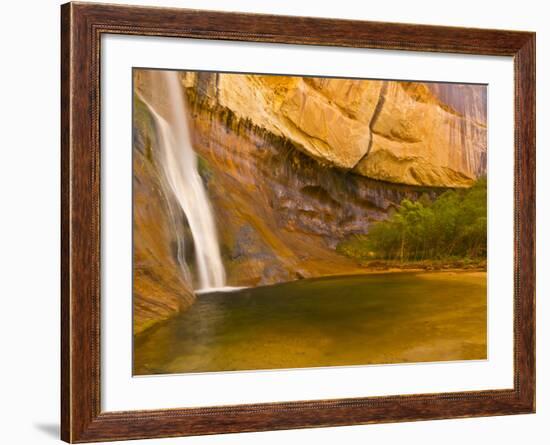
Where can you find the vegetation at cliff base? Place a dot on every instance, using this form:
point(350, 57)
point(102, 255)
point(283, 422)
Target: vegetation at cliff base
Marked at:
point(453, 226)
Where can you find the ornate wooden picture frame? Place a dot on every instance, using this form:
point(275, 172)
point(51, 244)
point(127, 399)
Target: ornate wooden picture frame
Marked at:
point(82, 26)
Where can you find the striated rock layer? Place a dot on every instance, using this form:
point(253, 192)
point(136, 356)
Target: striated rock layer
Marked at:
point(280, 213)
point(427, 134)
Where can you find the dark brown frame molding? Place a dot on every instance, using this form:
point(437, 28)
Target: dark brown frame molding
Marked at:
point(82, 25)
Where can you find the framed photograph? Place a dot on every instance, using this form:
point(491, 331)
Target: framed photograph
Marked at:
point(274, 222)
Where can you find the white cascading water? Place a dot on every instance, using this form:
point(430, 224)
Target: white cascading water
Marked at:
point(179, 163)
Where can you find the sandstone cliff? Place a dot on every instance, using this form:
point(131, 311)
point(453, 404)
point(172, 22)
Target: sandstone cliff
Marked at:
point(292, 166)
point(401, 132)
point(280, 212)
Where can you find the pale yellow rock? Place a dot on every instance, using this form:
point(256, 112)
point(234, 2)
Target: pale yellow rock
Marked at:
point(322, 128)
point(356, 98)
point(318, 115)
point(418, 141)
point(403, 132)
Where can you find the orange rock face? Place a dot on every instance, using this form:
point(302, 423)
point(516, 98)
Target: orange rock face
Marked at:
point(420, 140)
point(401, 132)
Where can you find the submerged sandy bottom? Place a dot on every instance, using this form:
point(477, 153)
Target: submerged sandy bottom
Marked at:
point(334, 321)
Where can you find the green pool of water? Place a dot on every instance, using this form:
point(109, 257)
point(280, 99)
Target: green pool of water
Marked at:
point(334, 321)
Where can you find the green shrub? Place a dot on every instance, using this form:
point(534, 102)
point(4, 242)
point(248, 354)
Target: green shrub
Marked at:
point(452, 226)
point(356, 246)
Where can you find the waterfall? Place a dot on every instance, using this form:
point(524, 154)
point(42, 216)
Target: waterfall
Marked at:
point(179, 164)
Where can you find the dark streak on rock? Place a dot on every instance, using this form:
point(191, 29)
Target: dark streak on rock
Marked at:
point(374, 118)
